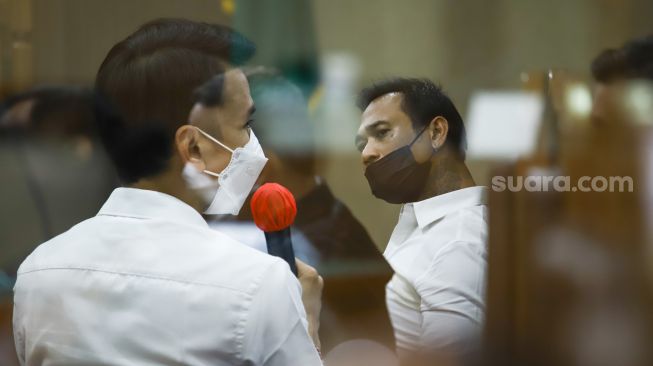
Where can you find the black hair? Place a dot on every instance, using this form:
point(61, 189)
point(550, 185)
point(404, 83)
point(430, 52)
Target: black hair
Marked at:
point(33, 94)
point(634, 60)
point(422, 101)
point(15, 99)
point(146, 85)
point(62, 111)
point(283, 124)
point(210, 94)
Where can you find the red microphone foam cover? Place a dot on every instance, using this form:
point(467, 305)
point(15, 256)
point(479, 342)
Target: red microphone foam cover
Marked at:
point(273, 207)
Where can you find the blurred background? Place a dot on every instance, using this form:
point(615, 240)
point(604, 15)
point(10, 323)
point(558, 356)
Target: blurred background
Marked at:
point(330, 49)
point(465, 45)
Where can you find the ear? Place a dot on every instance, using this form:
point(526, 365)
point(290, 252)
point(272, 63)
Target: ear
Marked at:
point(188, 146)
point(438, 130)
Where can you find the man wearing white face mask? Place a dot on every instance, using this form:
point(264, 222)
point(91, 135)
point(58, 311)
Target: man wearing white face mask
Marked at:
point(228, 193)
point(147, 281)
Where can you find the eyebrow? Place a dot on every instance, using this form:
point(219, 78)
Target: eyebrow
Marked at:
point(375, 125)
point(252, 110)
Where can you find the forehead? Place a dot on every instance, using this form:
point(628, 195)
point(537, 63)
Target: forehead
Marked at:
point(236, 100)
point(236, 87)
point(384, 108)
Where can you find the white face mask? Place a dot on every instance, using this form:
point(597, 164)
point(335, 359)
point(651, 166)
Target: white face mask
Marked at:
point(227, 194)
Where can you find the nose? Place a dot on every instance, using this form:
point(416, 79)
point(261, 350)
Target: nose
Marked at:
point(369, 154)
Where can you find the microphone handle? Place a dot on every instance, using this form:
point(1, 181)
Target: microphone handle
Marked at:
point(280, 245)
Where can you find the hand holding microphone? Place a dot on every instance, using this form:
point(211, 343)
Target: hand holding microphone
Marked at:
point(312, 284)
point(274, 210)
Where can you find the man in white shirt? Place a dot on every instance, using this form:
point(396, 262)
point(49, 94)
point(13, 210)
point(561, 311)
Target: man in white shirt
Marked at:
point(412, 141)
point(146, 281)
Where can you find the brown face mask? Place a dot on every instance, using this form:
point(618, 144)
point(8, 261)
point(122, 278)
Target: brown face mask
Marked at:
point(397, 177)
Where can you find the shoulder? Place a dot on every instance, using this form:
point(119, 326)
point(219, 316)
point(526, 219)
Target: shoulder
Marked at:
point(156, 250)
point(456, 263)
point(469, 225)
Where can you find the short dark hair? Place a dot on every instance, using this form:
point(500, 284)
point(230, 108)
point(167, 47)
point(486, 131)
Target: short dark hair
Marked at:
point(283, 124)
point(422, 101)
point(210, 94)
point(147, 81)
point(62, 111)
point(32, 94)
point(634, 60)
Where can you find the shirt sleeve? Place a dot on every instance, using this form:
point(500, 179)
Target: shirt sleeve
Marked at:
point(19, 336)
point(276, 332)
point(452, 294)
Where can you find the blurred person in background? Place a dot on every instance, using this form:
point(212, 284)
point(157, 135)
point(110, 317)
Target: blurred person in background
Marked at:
point(15, 110)
point(325, 233)
point(614, 71)
point(146, 280)
point(412, 144)
point(55, 173)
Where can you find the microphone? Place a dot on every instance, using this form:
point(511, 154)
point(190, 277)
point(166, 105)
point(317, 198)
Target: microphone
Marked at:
point(274, 210)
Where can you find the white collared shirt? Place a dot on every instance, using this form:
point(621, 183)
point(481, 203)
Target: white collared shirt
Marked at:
point(438, 252)
point(147, 282)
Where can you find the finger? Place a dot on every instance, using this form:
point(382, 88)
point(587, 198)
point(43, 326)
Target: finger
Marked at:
point(305, 270)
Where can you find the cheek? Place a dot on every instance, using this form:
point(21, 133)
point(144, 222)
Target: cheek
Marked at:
point(218, 161)
point(396, 139)
point(377, 148)
point(422, 149)
point(422, 152)
point(235, 137)
point(383, 147)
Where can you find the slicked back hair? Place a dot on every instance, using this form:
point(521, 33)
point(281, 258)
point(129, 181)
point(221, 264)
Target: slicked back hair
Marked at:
point(146, 84)
point(422, 101)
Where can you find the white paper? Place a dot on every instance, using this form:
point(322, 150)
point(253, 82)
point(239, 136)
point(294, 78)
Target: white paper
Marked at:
point(503, 125)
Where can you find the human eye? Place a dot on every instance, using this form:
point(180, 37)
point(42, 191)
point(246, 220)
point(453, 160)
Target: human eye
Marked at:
point(382, 133)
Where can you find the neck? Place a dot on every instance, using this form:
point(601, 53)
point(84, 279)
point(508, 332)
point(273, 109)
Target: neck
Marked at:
point(170, 184)
point(448, 174)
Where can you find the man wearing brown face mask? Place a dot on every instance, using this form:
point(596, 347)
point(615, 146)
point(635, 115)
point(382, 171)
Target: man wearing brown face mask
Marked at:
point(412, 143)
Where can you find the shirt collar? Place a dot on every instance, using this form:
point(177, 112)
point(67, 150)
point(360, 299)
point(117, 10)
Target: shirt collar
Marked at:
point(434, 208)
point(146, 204)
